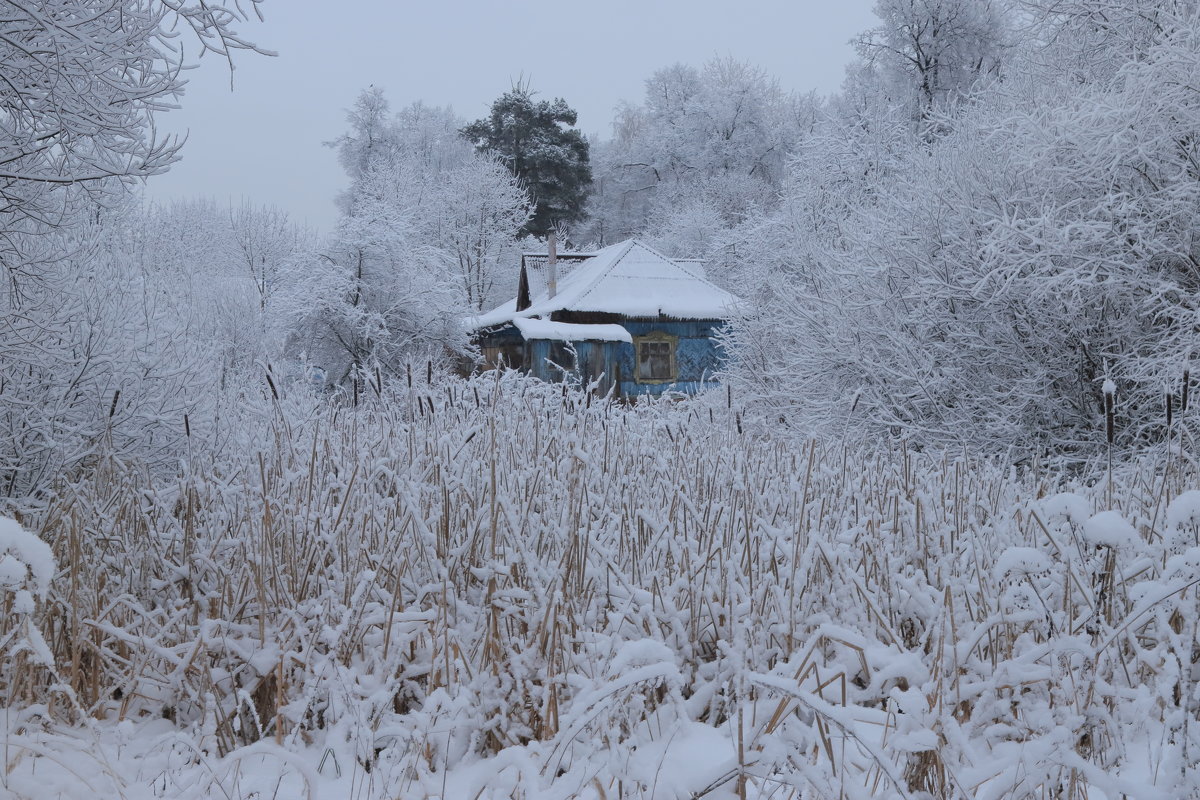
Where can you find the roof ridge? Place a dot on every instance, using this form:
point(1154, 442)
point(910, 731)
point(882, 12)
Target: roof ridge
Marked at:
point(702, 278)
point(601, 275)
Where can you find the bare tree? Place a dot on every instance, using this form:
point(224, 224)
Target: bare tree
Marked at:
point(266, 240)
point(936, 49)
point(81, 84)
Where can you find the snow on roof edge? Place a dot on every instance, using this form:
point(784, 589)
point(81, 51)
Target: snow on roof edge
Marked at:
point(570, 332)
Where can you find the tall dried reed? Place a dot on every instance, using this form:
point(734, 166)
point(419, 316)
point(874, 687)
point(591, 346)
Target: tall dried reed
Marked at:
point(450, 570)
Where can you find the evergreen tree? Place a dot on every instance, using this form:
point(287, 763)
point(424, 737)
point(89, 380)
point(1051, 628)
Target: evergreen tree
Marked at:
point(536, 142)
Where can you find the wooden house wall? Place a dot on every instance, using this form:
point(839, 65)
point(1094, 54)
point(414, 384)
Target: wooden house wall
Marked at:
point(590, 361)
point(697, 356)
point(506, 343)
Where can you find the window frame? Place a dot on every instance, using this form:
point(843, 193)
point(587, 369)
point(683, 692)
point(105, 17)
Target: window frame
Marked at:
point(656, 337)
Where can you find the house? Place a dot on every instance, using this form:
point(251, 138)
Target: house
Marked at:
point(626, 316)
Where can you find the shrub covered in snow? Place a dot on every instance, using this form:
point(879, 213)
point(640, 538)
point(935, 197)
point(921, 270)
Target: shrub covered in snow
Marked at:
point(26, 567)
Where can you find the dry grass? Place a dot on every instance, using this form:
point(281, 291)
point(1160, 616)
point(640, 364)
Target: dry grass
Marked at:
point(484, 565)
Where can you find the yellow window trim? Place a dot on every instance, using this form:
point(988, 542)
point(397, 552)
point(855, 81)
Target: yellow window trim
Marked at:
point(655, 336)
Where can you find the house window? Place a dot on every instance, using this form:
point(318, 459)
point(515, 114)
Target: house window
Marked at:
point(655, 358)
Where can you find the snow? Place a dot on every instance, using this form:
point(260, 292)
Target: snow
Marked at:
point(628, 278)
point(1185, 566)
point(1109, 529)
point(1184, 509)
point(502, 314)
point(1021, 561)
point(694, 758)
point(641, 653)
point(23, 552)
point(694, 266)
point(571, 332)
point(13, 572)
point(1067, 506)
point(22, 602)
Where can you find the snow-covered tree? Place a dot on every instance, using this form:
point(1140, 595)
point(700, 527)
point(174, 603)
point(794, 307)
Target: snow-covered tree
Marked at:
point(375, 297)
point(981, 286)
point(266, 240)
point(537, 142)
point(99, 360)
point(82, 83)
point(936, 51)
point(472, 218)
point(705, 142)
point(465, 208)
point(152, 330)
point(428, 234)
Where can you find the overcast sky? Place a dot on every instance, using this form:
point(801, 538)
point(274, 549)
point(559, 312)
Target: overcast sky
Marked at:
point(262, 141)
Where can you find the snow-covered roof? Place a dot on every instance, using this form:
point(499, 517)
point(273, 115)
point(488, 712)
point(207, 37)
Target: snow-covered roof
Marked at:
point(571, 332)
point(630, 279)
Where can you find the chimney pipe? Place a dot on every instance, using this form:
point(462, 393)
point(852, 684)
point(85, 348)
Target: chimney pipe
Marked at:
point(552, 265)
point(523, 299)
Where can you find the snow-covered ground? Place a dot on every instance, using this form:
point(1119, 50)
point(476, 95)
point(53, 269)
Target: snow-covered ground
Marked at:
point(498, 589)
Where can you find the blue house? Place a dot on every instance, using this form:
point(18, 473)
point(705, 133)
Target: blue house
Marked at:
point(625, 317)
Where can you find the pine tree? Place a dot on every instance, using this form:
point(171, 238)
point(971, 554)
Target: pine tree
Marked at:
point(536, 142)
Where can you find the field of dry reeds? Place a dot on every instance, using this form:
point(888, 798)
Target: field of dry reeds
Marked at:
point(498, 588)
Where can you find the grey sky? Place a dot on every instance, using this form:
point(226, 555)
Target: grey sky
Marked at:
point(263, 140)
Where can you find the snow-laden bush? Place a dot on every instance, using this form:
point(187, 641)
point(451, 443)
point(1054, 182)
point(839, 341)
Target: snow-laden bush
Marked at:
point(146, 342)
point(978, 282)
point(26, 567)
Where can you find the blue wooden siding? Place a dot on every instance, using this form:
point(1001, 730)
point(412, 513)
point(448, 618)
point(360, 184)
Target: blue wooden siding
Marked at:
point(697, 357)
